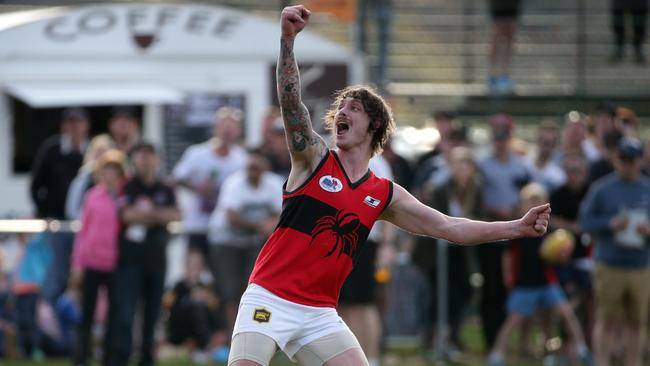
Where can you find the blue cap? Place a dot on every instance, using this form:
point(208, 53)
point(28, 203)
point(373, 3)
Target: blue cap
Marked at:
point(630, 147)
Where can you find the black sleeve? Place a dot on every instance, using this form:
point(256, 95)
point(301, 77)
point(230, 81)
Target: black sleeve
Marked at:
point(128, 194)
point(171, 196)
point(39, 174)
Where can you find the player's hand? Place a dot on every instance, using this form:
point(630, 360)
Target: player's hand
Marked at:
point(293, 19)
point(535, 221)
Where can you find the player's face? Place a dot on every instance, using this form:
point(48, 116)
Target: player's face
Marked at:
point(351, 124)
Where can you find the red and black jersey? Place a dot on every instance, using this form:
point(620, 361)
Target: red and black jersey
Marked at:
point(322, 227)
point(528, 267)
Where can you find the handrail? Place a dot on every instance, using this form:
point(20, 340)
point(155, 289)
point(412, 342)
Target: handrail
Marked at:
point(34, 226)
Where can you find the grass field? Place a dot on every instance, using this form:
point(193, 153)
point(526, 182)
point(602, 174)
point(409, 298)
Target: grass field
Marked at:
point(397, 357)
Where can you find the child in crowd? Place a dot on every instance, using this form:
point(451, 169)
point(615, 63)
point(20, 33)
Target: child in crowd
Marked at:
point(95, 253)
point(534, 286)
point(195, 313)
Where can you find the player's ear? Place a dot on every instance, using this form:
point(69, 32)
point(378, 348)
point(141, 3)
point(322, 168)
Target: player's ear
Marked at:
point(374, 125)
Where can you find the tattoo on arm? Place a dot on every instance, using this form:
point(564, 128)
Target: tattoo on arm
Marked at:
point(296, 116)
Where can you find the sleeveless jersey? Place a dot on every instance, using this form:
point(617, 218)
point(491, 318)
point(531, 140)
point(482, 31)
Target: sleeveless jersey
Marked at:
point(322, 227)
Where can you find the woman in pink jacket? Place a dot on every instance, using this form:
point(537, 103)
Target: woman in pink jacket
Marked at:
point(95, 253)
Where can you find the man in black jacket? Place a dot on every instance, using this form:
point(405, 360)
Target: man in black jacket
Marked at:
point(56, 164)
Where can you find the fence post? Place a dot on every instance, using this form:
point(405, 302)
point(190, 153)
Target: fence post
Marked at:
point(442, 295)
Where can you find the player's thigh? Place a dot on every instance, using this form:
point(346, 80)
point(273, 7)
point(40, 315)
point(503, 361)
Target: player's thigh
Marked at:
point(251, 349)
point(340, 348)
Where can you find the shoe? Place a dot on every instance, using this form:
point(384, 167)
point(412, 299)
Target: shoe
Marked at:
point(505, 85)
point(38, 356)
point(200, 357)
point(496, 360)
point(220, 355)
point(586, 359)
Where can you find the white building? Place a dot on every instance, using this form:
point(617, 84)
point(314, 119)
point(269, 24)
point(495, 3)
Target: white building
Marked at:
point(177, 62)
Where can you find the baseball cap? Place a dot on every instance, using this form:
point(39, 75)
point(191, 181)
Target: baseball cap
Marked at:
point(630, 147)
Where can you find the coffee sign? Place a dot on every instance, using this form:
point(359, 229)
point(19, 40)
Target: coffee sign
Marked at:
point(145, 24)
point(115, 32)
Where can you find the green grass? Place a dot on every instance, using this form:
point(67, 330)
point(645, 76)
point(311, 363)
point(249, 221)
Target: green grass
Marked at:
point(471, 337)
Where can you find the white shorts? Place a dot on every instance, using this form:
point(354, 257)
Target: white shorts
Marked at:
point(290, 325)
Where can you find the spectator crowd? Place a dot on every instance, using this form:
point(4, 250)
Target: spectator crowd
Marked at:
point(101, 293)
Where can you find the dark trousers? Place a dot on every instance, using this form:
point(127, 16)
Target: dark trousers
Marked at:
point(29, 335)
point(493, 291)
point(192, 320)
point(638, 11)
point(57, 275)
point(92, 281)
point(134, 284)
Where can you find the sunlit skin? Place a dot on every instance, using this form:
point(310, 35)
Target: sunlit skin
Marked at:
point(112, 176)
point(352, 125)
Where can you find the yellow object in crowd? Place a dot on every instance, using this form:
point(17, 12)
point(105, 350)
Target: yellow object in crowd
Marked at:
point(557, 246)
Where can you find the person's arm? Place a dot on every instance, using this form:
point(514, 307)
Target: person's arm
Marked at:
point(138, 216)
point(237, 220)
point(591, 218)
point(38, 183)
point(76, 193)
point(165, 215)
point(306, 147)
point(411, 215)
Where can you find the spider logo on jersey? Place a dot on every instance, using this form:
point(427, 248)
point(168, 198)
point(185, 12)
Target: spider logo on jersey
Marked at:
point(344, 227)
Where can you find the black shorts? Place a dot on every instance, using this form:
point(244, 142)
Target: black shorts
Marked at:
point(504, 9)
point(360, 286)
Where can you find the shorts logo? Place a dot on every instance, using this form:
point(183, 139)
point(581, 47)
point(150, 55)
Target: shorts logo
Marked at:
point(330, 184)
point(262, 315)
point(371, 201)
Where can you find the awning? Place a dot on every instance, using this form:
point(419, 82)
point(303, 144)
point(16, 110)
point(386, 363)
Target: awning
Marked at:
point(61, 94)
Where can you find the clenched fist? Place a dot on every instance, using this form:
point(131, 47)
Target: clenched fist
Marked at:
point(293, 20)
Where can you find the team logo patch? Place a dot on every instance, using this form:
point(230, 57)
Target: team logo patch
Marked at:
point(262, 315)
point(371, 201)
point(330, 184)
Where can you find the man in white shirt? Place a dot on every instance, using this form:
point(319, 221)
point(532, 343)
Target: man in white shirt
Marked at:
point(202, 170)
point(247, 212)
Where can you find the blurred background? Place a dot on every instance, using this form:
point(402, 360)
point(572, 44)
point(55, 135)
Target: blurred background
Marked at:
point(489, 96)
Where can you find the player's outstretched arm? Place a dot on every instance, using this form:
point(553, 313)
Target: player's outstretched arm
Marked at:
point(306, 147)
point(411, 215)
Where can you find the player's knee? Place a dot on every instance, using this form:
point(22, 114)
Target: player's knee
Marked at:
point(351, 357)
point(244, 363)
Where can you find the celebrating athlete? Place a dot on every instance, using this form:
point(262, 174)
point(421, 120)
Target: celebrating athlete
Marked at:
point(330, 203)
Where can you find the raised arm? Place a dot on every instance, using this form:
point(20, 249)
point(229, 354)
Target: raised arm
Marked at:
point(306, 147)
point(411, 215)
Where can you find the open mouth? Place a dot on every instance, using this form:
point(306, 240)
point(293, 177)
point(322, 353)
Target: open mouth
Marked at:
point(342, 127)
